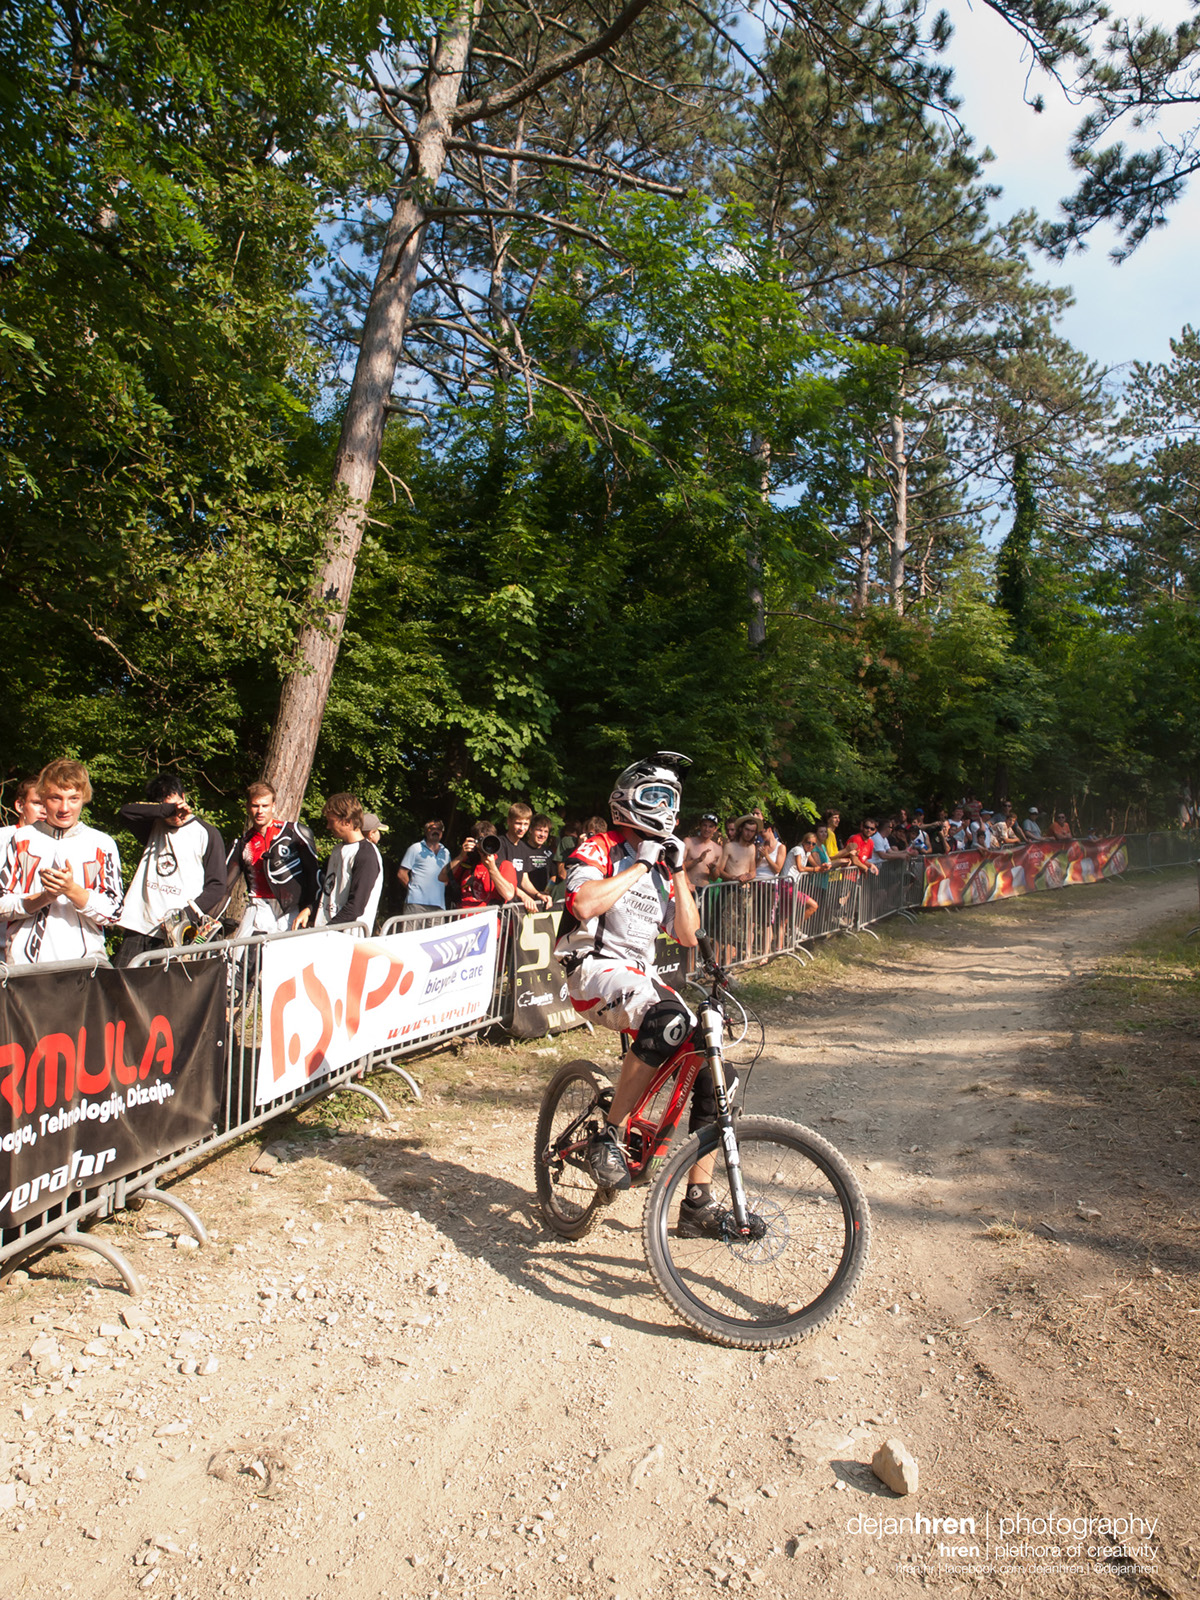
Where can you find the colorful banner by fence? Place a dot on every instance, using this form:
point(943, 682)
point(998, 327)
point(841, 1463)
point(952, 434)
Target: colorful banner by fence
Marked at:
point(973, 877)
point(541, 1004)
point(329, 999)
point(137, 1077)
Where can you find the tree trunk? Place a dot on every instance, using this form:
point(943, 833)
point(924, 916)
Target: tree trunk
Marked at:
point(866, 540)
point(756, 632)
point(898, 450)
point(306, 689)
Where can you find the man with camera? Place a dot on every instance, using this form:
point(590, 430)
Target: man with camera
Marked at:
point(179, 885)
point(483, 877)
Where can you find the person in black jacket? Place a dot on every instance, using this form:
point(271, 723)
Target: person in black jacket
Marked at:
point(278, 862)
point(181, 873)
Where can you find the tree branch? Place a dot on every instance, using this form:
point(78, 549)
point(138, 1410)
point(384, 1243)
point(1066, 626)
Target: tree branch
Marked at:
point(566, 61)
point(574, 163)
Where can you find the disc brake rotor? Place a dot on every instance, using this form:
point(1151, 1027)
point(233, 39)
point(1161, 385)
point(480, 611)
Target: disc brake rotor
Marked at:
point(769, 1232)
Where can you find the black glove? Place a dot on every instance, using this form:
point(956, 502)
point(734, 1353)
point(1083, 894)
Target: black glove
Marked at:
point(673, 851)
point(650, 852)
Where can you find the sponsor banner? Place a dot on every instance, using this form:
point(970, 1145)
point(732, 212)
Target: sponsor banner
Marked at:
point(136, 1078)
point(670, 962)
point(974, 877)
point(329, 999)
point(541, 1003)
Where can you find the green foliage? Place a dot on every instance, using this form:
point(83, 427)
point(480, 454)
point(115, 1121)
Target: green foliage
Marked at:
point(163, 169)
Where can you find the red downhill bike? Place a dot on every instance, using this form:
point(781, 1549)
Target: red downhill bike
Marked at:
point(792, 1240)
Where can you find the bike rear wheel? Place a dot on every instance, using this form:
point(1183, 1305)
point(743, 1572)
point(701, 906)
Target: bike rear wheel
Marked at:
point(813, 1225)
point(570, 1197)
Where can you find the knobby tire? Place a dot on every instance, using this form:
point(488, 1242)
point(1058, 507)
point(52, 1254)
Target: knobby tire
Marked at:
point(771, 1292)
point(569, 1196)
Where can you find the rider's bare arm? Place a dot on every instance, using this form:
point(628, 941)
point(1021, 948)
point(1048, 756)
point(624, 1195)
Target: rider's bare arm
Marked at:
point(687, 912)
point(598, 895)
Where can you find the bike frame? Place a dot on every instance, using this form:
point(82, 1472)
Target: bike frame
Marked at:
point(702, 1049)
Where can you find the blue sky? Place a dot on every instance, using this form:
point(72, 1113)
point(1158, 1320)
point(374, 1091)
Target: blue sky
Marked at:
point(1123, 313)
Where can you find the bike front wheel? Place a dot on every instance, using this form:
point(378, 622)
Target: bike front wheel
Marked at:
point(571, 1109)
point(811, 1236)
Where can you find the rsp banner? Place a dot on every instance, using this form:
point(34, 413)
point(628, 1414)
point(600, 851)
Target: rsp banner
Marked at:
point(135, 1079)
point(541, 1003)
point(329, 999)
point(973, 877)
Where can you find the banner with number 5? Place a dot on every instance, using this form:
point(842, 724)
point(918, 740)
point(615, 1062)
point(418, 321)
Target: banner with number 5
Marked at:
point(330, 999)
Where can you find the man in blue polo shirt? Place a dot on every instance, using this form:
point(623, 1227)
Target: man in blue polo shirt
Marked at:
point(423, 871)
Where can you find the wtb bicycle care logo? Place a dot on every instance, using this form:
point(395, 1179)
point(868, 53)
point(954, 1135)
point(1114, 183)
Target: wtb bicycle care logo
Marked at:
point(355, 996)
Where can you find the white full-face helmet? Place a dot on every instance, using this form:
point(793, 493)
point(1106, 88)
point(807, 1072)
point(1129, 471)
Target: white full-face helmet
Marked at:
point(647, 794)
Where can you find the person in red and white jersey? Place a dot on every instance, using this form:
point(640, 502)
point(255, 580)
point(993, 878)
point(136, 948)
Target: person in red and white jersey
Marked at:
point(60, 885)
point(625, 886)
point(278, 861)
point(28, 809)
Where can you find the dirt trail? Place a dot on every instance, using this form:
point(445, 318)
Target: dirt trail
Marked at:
point(384, 1378)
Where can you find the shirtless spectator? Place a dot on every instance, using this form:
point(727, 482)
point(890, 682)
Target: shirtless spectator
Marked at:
point(278, 863)
point(739, 858)
point(737, 868)
point(60, 884)
point(702, 853)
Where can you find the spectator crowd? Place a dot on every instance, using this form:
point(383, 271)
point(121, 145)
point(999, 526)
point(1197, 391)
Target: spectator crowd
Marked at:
point(62, 892)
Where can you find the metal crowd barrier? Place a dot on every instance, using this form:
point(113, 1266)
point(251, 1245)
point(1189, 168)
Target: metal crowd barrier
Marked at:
point(748, 923)
point(237, 1114)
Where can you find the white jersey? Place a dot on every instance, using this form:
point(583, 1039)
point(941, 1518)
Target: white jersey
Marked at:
point(627, 931)
point(353, 884)
point(6, 834)
point(176, 866)
point(59, 932)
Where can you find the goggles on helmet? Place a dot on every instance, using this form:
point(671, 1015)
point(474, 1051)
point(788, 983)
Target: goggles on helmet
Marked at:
point(655, 797)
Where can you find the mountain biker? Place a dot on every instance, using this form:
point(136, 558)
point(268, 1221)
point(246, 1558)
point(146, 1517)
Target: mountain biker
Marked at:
point(624, 886)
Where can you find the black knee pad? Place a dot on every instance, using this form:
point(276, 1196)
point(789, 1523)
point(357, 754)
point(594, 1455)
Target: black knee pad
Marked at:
point(664, 1028)
point(704, 1100)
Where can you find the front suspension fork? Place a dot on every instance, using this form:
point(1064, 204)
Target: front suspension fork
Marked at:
point(711, 1024)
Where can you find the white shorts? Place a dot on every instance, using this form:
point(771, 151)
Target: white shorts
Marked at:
point(265, 916)
point(617, 996)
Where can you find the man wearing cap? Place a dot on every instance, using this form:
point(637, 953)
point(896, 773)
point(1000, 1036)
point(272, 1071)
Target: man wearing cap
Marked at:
point(425, 869)
point(1031, 827)
point(702, 853)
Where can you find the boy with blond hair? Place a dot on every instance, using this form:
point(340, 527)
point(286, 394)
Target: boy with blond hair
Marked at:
point(60, 883)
